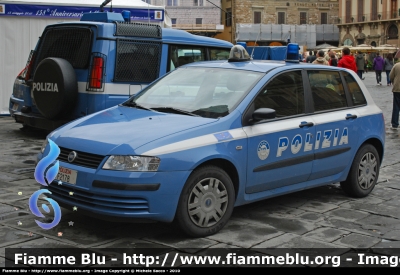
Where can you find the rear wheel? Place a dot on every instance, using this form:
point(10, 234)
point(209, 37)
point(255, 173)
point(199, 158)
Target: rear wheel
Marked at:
point(206, 202)
point(363, 173)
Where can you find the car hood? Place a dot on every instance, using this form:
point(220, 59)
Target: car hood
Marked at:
point(119, 129)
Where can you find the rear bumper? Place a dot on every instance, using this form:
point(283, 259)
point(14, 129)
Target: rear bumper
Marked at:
point(38, 121)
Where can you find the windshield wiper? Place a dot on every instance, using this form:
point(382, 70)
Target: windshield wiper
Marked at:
point(134, 104)
point(174, 111)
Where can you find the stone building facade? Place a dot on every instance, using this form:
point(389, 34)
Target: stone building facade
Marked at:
point(201, 17)
point(371, 22)
point(301, 12)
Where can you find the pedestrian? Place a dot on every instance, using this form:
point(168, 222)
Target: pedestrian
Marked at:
point(394, 76)
point(347, 61)
point(333, 60)
point(388, 67)
point(311, 57)
point(378, 65)
point(360, 61)
point(320, 60)
point(328, 55)
point(366, 65)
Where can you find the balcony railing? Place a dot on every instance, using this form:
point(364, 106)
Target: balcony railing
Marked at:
point(196, 27)
point(359, 18)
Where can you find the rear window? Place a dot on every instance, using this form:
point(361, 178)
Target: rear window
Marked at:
point(71, 44)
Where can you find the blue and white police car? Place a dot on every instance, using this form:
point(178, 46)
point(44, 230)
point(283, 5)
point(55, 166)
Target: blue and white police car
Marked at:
point(213, 135)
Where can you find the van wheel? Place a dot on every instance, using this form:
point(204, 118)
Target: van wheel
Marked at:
point(206, 202)
point(55, 88)
point(363, 173)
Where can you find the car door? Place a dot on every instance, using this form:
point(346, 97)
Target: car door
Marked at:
point(280, 149)
point(336, 123)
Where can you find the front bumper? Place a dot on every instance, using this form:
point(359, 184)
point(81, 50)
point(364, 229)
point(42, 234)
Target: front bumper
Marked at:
point(121, 196)
point(38, 121)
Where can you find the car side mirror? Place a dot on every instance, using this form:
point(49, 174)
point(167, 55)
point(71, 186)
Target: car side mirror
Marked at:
point(263, 113)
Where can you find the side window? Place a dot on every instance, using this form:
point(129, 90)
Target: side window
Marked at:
point(355, 91)
point(219, 54)
point(183, 54)
point(284, 94)
point(327, 90)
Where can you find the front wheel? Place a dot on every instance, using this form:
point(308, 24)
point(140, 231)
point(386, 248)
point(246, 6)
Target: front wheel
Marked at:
point(363, 173)
point(206, 202)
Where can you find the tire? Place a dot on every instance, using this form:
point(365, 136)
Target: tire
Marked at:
point(206, 202)
point(364, 172)
point(55, 88)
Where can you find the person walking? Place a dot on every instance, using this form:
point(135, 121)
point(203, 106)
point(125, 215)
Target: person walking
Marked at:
point(394, 76)
point(378, 65)
point(360, 61)
point(320, 60)
point(388, 67)
point(347, 61)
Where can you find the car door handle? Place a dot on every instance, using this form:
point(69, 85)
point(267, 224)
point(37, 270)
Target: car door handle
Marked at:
point(306, 124)
point(351, 116)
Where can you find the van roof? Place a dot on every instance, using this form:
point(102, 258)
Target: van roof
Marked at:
point(168, 35)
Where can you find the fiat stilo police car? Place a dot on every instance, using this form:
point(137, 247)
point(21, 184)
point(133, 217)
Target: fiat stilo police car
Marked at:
point(210, 136)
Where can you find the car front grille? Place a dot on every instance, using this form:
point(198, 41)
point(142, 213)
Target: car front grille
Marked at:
point(110, 203)
point(82, 158)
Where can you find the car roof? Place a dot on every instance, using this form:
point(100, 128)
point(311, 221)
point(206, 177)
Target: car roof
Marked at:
point(258, 65)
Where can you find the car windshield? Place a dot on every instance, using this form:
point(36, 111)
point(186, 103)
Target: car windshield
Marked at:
point(206, 92)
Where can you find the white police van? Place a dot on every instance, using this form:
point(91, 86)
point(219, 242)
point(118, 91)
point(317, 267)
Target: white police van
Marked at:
point(210, 136)
point(79, 68)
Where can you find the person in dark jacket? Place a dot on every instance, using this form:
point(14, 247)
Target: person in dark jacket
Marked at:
point(388, 67)
point(311, 57)
point(360, 61)
point(333, 60)
point(347, 60)
point(378, 66)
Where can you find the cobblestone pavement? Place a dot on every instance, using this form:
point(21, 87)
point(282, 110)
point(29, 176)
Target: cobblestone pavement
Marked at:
point(318, 218)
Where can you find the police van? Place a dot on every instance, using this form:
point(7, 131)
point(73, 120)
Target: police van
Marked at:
point(210, 136)
point(79, 68)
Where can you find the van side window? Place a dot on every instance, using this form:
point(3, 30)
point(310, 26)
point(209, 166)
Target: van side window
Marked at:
point(183, 54)
point(327, 90)
point(355, 91)
point(284, 94)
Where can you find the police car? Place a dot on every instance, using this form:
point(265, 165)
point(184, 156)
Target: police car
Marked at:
point(210, 136)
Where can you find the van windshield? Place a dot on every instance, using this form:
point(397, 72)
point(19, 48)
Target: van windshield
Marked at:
point(207, 92)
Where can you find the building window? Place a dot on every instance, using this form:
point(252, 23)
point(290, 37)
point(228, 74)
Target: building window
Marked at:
point(324, 18)
point(173, 22)
point(198, 3)
point(257, 17)
point(360, 11)
point(172, 2)
point(228, 16)
point(199, 21)
point(374, 9)
point(303, 18)
point(392, 32)
point(348, 11)
point(147, 1)
point(281, 17)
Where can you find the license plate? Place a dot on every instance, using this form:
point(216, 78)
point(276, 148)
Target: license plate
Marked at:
point(67, 175)
point(15, 107)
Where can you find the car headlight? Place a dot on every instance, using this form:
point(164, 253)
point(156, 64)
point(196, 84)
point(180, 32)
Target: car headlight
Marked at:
point(132, 163)
point(45, 142)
